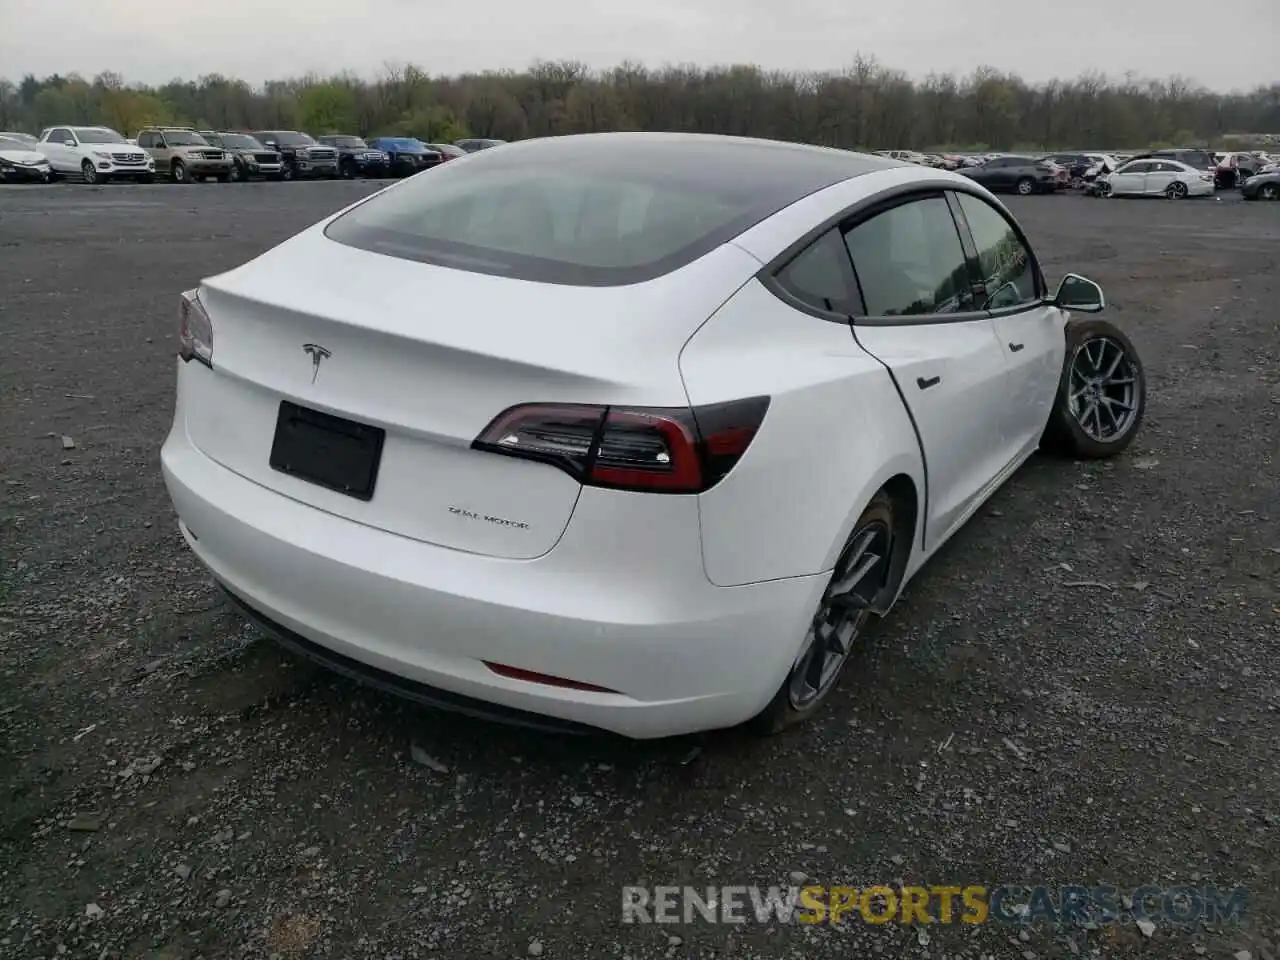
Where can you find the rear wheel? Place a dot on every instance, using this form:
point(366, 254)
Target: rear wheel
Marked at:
point(1102, 393)
point(860, 578)
point(1026, 186)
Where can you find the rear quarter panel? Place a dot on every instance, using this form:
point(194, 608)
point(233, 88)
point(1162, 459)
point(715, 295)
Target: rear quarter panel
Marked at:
point(835, 432)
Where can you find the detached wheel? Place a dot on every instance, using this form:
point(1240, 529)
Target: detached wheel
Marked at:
point(1176, 190)
point(1102, 394)
point(861, 575)
point(1026, 186)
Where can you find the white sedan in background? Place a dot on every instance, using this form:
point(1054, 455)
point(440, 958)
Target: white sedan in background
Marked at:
point(714, 402)
point(1156, 178)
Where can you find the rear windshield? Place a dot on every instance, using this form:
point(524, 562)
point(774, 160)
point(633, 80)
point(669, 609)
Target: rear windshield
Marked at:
point(589, 211)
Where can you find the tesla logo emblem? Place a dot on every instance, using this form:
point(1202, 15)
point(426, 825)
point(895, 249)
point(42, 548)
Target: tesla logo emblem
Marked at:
point(316, 353)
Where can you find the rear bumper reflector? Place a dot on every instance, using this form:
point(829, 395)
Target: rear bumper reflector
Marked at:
point(515, 673)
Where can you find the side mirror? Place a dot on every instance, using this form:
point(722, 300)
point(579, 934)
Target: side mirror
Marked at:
point(1080, 294)
point(68, 143)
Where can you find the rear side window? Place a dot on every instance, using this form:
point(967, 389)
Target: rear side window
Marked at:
point(910, 262)
point(820, 276)
point(586, 212)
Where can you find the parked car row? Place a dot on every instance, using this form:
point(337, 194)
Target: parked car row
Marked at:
point(1175, 173)
point(183, 154)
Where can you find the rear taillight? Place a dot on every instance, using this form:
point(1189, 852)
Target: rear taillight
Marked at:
point(195, 330)
point(654, 449)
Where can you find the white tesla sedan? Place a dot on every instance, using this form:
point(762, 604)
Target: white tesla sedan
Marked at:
point(631, 432)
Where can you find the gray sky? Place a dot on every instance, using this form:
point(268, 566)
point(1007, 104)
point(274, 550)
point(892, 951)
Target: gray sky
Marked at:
point(156, 40)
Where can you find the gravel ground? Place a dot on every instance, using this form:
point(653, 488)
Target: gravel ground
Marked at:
point(1082, 687)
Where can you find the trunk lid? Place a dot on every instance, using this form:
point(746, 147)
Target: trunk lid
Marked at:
point(431, 355)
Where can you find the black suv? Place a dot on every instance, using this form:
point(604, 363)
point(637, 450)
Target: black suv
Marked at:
point(302, 156)
point(249, 158)
point(356, 158)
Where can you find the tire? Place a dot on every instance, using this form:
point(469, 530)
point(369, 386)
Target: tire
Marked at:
point(1104, 190)
point(347, 171)
point(238, 173)
point(287, 172)
point(1072, 430)
point(89, 172)
point(809, 683)
point(1025, 187)
point(1176, 190)
point(1269, 191)
point(178, 172)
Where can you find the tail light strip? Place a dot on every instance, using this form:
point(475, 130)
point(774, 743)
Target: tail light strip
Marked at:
point(651, 449)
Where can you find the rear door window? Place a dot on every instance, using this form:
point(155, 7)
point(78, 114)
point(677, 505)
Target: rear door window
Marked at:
point(910, 262)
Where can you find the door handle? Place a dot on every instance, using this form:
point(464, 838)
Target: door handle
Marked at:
point(925, 384)
point(1015, 347)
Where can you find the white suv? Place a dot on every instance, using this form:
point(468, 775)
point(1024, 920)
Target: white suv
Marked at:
point(97, 154)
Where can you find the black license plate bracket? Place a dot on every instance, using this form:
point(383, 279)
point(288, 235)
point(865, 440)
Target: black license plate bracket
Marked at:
point(331, 452)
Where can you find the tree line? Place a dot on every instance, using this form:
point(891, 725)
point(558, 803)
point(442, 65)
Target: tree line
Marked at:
point(866, 105)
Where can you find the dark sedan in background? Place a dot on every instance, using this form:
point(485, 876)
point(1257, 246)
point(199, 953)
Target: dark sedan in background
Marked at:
point(1263, 186)
point(1024, 175)
point(447, 151)
point(472, 144)
point(406, 156)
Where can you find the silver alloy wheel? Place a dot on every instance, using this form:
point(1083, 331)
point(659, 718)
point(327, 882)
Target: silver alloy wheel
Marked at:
point(89, 171)
point(1025, 187)
point(860, 574)
point(179, 171)
point(1177, 190)
point(1103, 389)
point(1269, 191)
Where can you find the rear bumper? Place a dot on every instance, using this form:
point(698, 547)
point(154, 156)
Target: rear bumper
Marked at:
point(622, 602)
